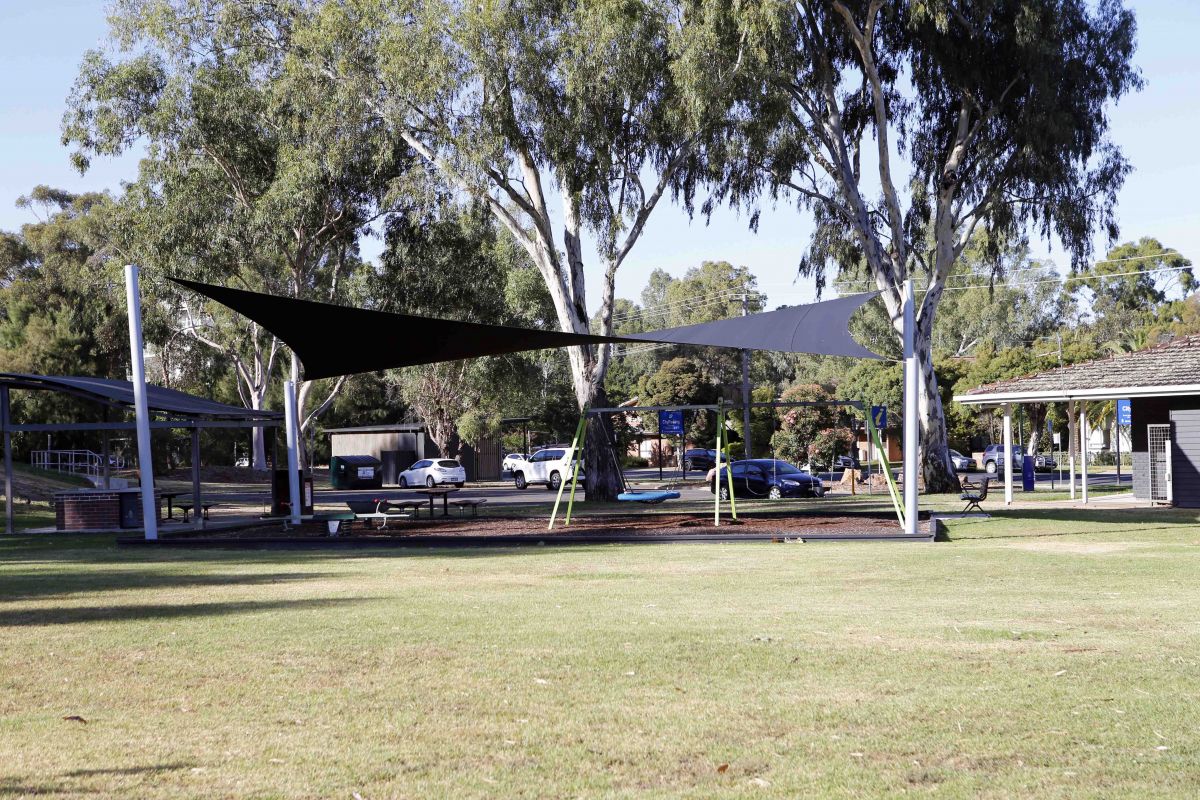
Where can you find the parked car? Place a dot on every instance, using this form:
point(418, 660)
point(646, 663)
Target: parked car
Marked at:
point(696, 460)
point(511, 461)
point(846, 462)
point(993, 460)
point(961, 462)
point(432, 472)
point(242, 461)
point(548, 466)
point(765, 477)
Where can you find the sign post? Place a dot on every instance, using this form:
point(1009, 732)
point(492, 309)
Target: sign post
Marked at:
point(1124, 417)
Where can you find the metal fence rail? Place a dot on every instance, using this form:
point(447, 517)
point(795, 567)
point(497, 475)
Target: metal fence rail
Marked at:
point(76, 462)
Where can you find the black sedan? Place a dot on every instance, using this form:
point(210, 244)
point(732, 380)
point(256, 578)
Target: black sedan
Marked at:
point(696, 460)
point(770, 478)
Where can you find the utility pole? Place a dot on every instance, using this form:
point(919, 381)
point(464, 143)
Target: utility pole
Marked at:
point(746, 386)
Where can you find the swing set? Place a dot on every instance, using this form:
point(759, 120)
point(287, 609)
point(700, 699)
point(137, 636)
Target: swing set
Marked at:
point(724, 456)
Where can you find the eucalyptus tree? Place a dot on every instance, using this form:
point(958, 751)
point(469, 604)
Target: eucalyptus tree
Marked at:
point(570, 122)
point(257, 172)
point(905, 125)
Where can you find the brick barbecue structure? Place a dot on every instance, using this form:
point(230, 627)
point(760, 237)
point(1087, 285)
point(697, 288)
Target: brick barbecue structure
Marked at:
point(1162, 384)
point(98, 509)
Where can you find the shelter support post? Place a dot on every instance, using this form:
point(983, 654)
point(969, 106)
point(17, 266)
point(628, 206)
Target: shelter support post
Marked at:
point(198, 520)
point(1083, 448)
point(911, 376)
point(717, 480)
point(141, 405)
point(293, 450)
point(746, 395)
point(1071, 439)
point(105, 450)
point(5, 421)
point(1008, 462)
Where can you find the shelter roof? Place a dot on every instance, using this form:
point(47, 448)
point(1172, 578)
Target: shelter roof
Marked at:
point(1170, 368)
point(120, 393)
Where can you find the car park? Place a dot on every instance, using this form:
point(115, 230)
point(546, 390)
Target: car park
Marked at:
point(548, 467)
point(432, 472)
point(993, 460)
point(767, 478)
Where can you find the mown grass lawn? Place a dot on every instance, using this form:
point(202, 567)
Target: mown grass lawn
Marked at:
point(1042, 653)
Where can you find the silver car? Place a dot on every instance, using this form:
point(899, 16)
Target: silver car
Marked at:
point(961, 463)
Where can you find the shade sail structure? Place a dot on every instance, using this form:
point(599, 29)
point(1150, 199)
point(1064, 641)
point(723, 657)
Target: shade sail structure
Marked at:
point(820, 328)
point(119, 394)
point(339, 340)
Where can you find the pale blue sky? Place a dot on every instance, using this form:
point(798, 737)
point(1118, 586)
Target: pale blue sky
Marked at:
point(41, 44)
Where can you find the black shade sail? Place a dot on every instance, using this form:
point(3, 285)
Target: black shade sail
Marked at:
point(335, 340)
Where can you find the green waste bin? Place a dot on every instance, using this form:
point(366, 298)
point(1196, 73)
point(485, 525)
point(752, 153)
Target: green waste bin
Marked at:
point(355, 472)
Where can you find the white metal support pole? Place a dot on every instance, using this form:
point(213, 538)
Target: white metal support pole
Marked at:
point(1008, 464)
point(141, 407)
point(1083, 448)
point(911, 376)
point(293, 449)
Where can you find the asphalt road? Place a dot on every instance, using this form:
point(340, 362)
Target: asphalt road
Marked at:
point(507, 494)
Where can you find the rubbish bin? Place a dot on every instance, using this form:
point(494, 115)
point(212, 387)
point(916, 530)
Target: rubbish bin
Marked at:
point(355, 472)
point(1028, 475)
point(281, 491)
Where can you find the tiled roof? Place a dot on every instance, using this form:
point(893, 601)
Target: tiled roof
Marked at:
point(1172, 363)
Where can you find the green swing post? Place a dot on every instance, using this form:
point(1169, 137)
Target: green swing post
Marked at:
point(893, 490)
point(580, 437)
point(579, 429)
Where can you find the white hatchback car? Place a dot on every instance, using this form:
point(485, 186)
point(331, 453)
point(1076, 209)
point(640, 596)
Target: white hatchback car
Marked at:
point(512, 461)
point(548, 466)
point(432, 471)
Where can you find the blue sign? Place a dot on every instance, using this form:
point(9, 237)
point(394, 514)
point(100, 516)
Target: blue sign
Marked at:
point(670, 423)
point(1124, 413)
point(879, 417)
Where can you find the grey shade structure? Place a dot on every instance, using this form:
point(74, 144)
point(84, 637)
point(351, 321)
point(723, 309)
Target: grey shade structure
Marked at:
point(383, 340)
point(115, 393)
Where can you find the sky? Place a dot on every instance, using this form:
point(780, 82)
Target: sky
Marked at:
point(42, 43)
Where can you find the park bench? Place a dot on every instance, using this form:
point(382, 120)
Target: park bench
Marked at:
point(975, 494)
point(472, 503)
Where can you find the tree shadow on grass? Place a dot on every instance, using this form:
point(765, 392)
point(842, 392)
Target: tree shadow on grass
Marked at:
point(150, 612)
point(52, 582)
point(22, 787)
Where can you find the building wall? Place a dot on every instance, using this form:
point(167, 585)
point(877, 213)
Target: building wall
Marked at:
point(1183, 415)
point(373, 444)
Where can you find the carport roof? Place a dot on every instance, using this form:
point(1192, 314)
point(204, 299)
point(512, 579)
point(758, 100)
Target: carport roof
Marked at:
point(1170, 368)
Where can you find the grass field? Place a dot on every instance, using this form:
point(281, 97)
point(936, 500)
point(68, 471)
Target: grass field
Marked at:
point(1052, 654)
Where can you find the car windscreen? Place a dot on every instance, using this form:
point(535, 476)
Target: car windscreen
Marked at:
point(779, 467)
point(448, 463)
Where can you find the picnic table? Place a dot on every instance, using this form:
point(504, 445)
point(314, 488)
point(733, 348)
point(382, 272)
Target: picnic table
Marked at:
point(442, 492)
point(169, 496)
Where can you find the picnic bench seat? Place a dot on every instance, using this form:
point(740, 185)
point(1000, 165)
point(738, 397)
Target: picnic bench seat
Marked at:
point(186, 508)
point(472, 503)
point(383, 511)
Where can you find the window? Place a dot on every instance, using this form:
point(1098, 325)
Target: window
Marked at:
point(420, 465)
point(739, 470)
point(448, 463)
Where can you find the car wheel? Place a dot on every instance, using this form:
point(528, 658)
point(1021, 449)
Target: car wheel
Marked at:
point(430, 482)
point(403, 482)
point(820, 492)
point(774, 493)
point(687, 466)
point(519, 481)
point(724, 493)
point(990, 467)
point(554, 482)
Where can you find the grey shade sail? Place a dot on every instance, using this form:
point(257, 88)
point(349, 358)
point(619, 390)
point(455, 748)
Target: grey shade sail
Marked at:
point(120, 394)
point(820, 328)
point(335, 340)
